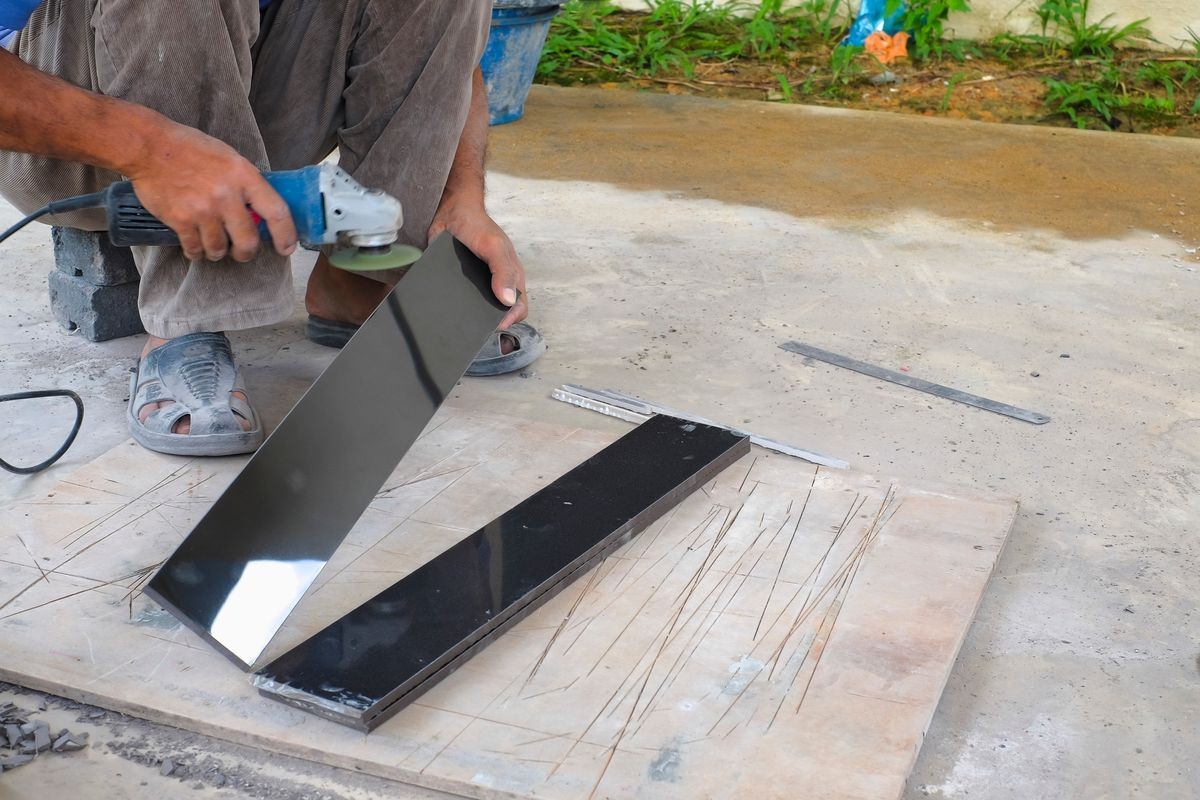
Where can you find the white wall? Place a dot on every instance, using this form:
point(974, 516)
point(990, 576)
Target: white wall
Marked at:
point(1169, 19)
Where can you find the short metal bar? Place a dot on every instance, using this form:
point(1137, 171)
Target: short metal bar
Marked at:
point(592, 404)
point(598, 399)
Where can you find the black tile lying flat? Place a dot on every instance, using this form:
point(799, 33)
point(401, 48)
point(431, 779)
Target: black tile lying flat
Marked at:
point(378, 658)
point(240, 572)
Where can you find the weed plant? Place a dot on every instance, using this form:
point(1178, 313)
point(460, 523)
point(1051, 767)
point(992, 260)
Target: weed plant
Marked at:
point(1066, 25)
point(926, 21)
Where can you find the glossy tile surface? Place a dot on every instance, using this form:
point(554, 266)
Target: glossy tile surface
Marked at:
point(376, 659)
point(240, 572)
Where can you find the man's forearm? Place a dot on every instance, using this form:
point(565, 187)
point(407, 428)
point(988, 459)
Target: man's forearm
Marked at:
point(46, 116)
point(198, 186)
point(461, 211)
point(465, 183)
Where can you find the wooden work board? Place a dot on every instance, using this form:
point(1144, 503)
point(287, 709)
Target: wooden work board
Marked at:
point(784, 632)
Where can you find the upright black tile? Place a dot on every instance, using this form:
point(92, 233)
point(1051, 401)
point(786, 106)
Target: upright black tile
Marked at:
point(237, 576)
point(378, 658)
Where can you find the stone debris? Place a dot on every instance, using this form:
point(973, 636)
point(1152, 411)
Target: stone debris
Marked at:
point(24, 739)
point(11, 761)
point(67, 742)
point(35, 737)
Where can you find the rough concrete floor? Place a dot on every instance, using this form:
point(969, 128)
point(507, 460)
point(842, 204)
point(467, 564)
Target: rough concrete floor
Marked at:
point(130, 759)
point(673, 243)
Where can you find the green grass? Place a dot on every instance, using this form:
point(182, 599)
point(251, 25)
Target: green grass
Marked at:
point(1112, 90)
point(671, 36)
point(674, 35)
point(1116, 94)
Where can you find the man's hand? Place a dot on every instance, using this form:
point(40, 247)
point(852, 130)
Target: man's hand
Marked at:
point(471, 225)
point(462, 213)
point(201, 187)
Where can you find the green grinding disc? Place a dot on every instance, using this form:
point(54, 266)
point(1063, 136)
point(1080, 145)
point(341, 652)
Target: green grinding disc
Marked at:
point(356, 260)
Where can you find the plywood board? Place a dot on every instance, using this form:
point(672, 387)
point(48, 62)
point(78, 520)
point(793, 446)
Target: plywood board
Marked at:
point(786, 631)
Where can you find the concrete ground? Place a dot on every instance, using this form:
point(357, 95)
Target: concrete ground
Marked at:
point(673, 243)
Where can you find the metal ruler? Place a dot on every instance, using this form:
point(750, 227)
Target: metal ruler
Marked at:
point(915, 383)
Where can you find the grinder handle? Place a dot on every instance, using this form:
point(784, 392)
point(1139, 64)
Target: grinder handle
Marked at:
point(129, 223)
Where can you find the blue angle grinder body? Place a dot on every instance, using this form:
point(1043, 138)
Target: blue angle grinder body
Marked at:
point(329, 208)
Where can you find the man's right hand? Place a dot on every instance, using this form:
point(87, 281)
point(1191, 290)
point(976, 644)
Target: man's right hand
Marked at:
point(203, 190)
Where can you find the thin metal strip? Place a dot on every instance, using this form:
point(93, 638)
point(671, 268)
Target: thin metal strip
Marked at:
point(608, 409)
point(605, 401)
point(241, 571)
point(920, 385)
point(375, 660)
point(761, 441)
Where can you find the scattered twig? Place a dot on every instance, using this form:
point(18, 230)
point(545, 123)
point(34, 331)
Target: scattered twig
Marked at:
point(694, 83)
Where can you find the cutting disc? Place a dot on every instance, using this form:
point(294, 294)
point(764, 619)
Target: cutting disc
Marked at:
point(370, 259)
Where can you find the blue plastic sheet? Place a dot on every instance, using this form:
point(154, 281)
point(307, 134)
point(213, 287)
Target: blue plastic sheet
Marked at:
point(873, 16)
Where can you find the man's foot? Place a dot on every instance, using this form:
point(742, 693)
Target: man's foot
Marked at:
point(339, 296)
point(186, 398)
point(183, 425)
point(339, 302)
point(509, 350)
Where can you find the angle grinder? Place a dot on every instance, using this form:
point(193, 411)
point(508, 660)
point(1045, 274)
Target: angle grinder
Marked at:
point(328, 207)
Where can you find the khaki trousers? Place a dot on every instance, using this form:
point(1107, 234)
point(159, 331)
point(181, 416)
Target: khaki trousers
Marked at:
point(387, 82)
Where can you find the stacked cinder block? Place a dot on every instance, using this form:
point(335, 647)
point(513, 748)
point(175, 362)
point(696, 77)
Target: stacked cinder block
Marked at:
point(94, 286)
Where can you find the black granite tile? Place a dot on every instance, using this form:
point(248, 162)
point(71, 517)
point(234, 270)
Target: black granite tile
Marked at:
point(237, 576)
point(378, 658)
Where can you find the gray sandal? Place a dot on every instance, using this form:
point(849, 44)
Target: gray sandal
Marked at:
point(196, 374)
point(528, 345)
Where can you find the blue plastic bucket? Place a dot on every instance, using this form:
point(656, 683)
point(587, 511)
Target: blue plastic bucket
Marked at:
point(511, 57)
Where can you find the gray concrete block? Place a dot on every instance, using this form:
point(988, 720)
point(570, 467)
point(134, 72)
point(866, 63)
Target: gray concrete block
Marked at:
point(89, 255)
point(100, 313)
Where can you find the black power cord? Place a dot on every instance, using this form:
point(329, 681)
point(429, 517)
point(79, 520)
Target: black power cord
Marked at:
point(4, 398)
point(57, 207)
point(94, 200)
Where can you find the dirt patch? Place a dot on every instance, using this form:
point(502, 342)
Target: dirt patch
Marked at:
point(981, 90)
point(862, 168)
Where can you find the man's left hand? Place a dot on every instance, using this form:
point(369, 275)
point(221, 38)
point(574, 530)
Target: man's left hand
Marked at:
point(471, 225)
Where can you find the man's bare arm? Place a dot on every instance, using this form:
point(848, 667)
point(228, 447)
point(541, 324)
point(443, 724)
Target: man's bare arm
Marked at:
point(462, 210)
point(197, 185)
point(466, 182)
point(50, 117)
